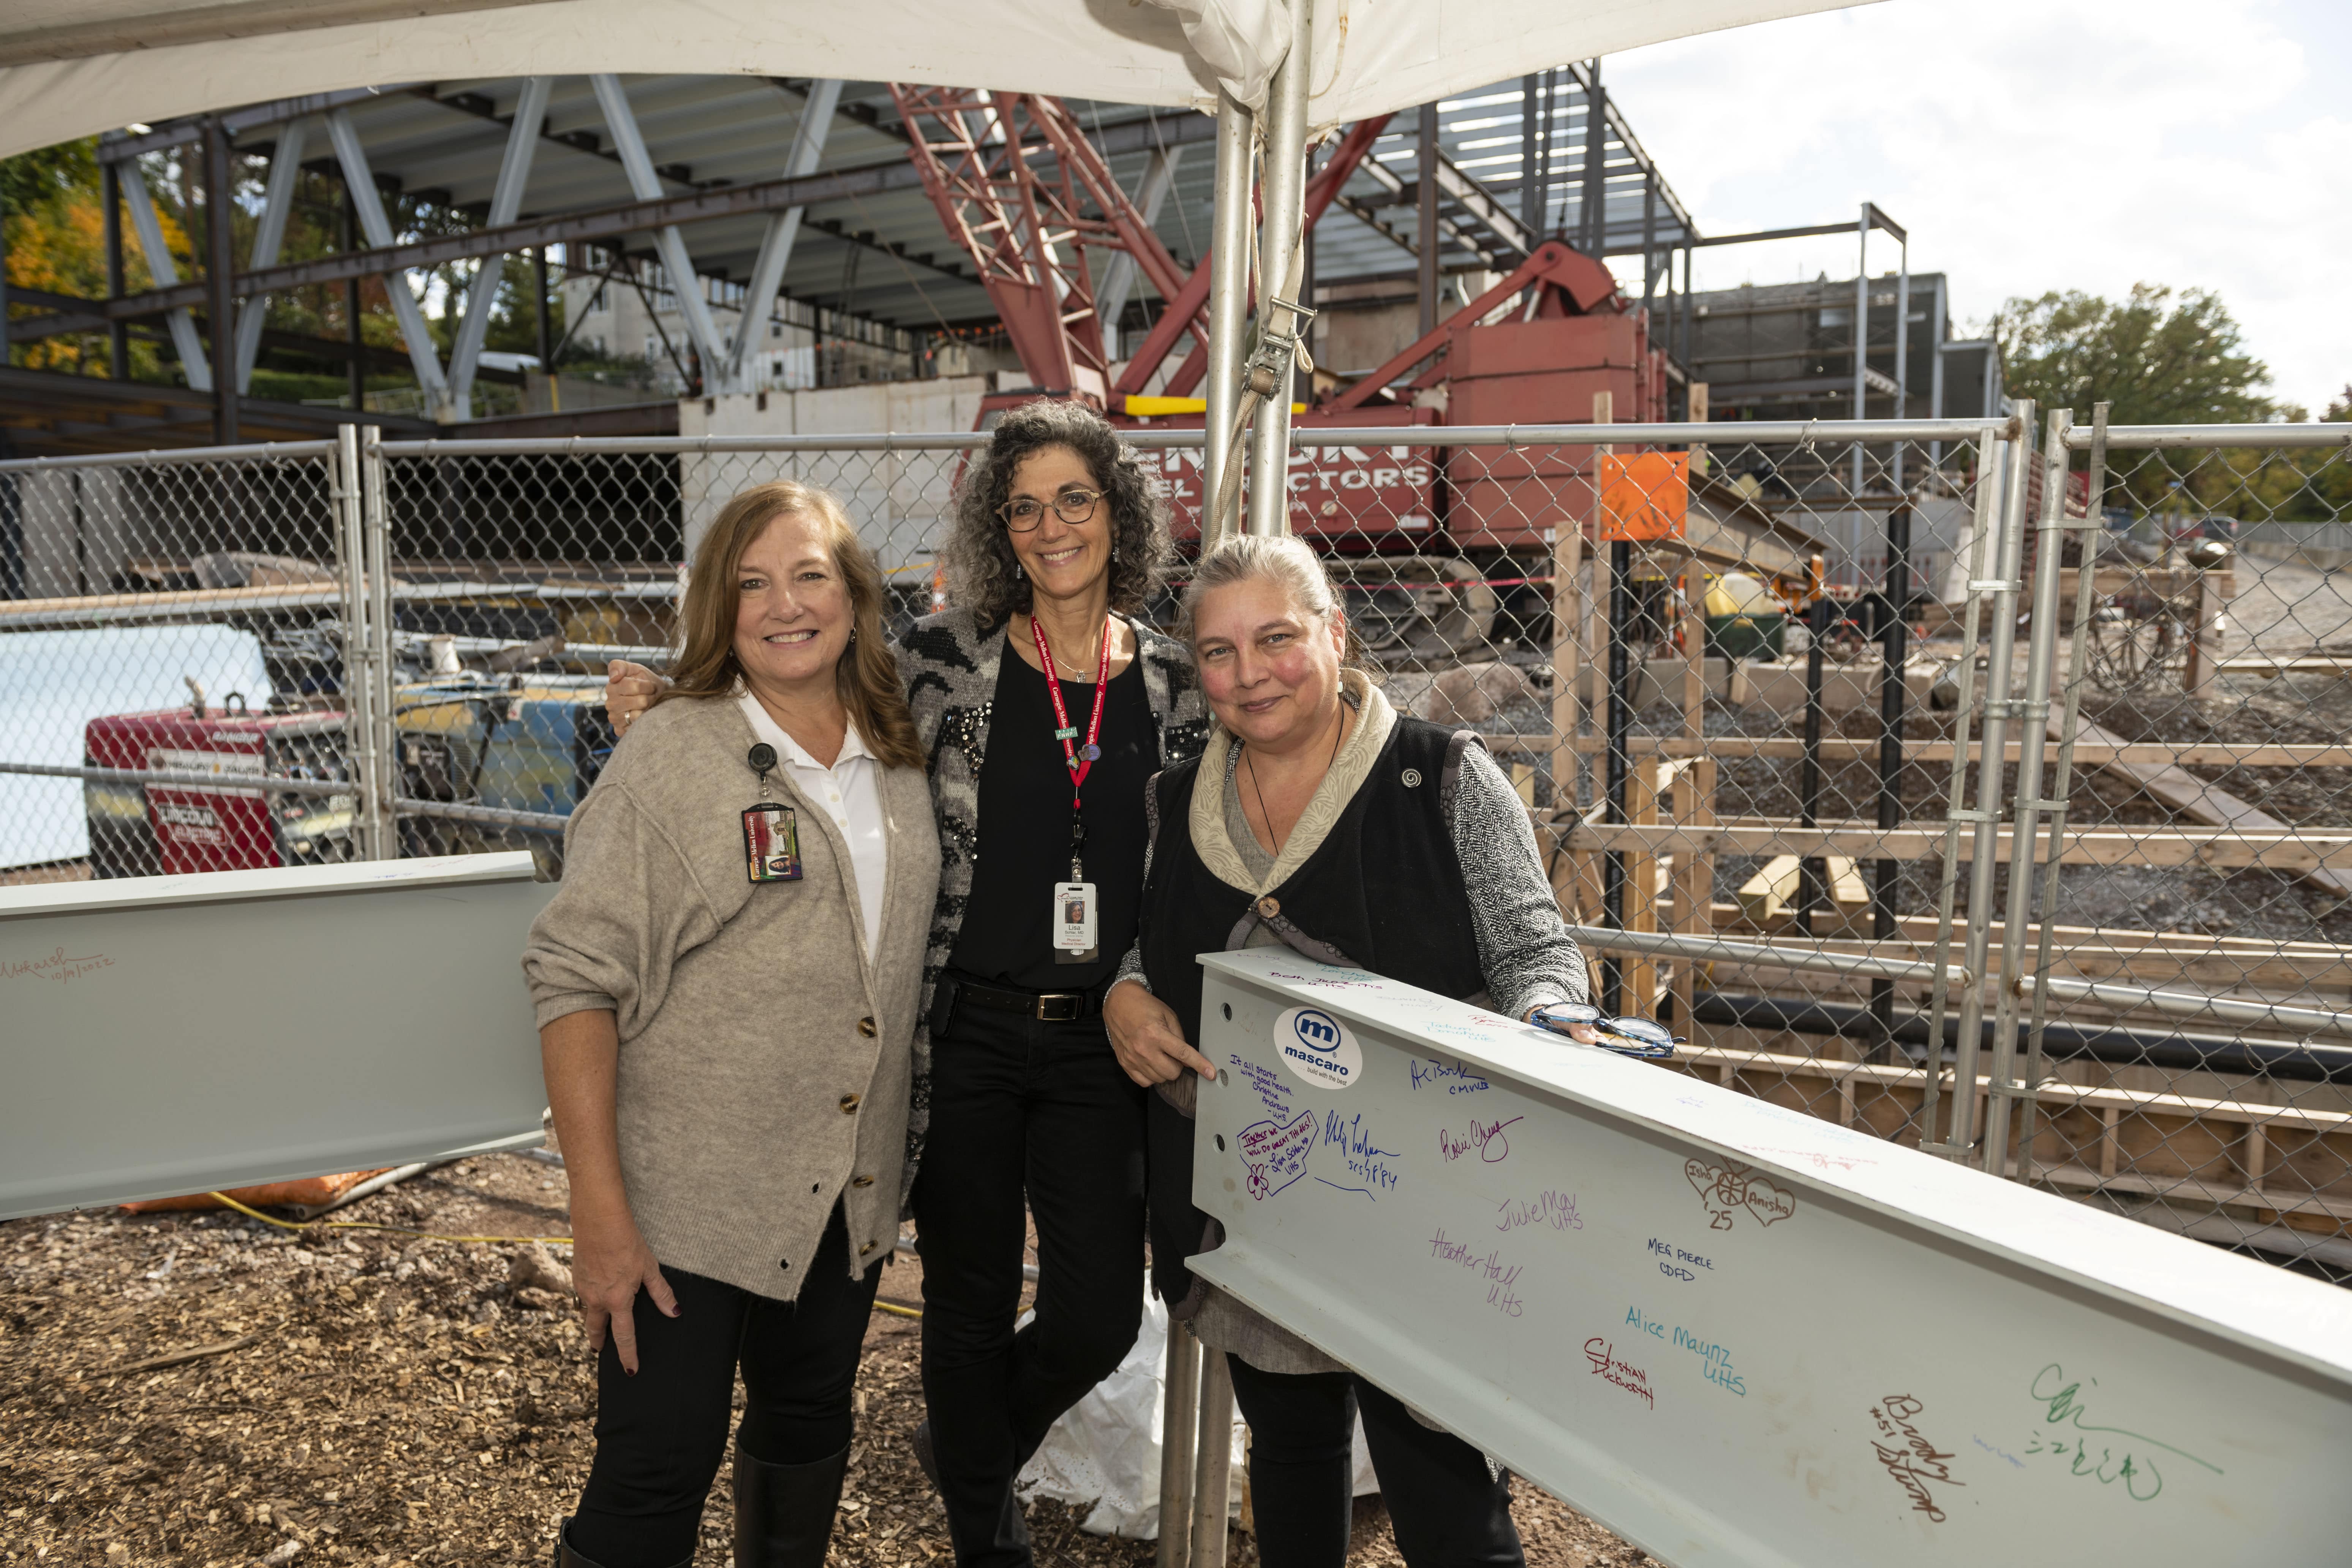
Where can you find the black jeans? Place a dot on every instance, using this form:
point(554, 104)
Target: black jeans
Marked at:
point(1448, 1509)
point(661, 1433)
point(1022, 1107)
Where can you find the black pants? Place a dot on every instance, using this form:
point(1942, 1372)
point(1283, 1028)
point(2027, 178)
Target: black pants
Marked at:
point(1022, 1107)
point(661, 1433)
point(1449, 1510)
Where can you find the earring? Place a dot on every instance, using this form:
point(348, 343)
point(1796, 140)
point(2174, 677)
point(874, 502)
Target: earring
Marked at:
point(1017, 574)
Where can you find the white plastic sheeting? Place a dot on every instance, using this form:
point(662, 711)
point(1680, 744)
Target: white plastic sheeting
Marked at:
point(73, 68)
point(1103, 1456)
point(52, 684)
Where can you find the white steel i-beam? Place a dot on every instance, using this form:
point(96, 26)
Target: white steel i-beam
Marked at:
point(1118, 278)
point(360, 181)
point(1737, 1334)
point(739, 374)
point(164, 274)
point(692, 307)
point(506, 200)
point(276, 205)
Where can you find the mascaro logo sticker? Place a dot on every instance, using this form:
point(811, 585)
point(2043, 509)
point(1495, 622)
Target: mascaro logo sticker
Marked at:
point(1318, 1048)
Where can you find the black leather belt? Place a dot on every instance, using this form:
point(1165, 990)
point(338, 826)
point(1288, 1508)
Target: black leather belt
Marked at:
point(1045, 1007)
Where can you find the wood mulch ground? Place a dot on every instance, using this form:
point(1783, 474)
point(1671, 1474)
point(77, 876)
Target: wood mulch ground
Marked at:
point(386, 1399)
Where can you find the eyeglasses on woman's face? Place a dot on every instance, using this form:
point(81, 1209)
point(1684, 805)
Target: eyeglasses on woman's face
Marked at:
point(1074, 505)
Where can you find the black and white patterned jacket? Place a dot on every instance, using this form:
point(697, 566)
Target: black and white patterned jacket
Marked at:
point(949, 664)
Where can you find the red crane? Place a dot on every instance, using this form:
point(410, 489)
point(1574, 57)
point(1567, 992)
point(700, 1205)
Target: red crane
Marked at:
point(1025, 194)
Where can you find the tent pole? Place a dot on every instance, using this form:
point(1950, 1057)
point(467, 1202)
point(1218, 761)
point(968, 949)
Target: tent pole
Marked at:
point(1228, 299)
point(1278, 245)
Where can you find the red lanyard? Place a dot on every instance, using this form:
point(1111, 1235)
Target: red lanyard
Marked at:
point(1081, 764)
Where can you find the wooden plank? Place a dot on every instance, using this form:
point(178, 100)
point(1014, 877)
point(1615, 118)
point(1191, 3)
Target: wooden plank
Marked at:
point(2185, 792)
point(2218, 848)
point(1766, 895)
point(2271, 668)
point(1644, 784)
point(1691, 908)
point(2190, 1192)
point(2133, 1101)
point(2104, 952)
point(2086, 753)
point(1769, 896)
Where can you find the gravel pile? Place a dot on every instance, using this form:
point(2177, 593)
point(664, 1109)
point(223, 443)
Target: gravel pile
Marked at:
point(367, 1398)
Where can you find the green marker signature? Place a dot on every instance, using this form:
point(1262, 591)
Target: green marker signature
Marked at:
point(2065, 1406)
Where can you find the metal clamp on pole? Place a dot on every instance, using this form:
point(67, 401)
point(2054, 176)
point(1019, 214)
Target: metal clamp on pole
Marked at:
point(1278, 354)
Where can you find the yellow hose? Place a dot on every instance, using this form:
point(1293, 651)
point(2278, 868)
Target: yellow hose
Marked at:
point(397, 1229)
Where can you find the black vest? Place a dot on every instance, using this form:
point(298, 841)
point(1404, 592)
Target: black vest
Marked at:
point(1382, 892)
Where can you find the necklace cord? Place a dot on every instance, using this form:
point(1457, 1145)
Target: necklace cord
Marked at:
point(1337, 735)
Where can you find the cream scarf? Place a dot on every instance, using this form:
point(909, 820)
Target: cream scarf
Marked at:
point(1375, 718)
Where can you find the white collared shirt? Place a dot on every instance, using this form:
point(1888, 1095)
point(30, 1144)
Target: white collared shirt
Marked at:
point(849, 792)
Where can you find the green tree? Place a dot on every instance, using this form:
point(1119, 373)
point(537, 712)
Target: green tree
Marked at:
point(34, 182)
point(2156, 359)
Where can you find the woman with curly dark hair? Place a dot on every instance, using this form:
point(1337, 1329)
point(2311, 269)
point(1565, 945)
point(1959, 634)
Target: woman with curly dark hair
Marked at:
point(1060, 540)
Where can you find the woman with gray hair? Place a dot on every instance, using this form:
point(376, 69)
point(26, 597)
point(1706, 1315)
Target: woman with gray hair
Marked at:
point(1041, 759)
point(1321, 819)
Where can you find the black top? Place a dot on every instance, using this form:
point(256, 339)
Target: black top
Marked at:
point(1024, 839)
point(1383, 891)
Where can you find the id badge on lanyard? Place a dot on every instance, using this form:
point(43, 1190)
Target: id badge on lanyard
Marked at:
point(771, 838)
point(1075, 937)
point(771, 843)
point(1076, 922)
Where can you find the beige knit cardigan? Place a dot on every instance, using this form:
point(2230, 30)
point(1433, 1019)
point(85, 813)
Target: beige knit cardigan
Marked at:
point(764, 1063)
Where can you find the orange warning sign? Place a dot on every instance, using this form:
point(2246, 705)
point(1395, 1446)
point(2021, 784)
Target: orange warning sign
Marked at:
point(1645, 496)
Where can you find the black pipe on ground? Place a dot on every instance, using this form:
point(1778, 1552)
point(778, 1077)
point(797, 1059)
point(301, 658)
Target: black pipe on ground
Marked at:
point(2132, 1048)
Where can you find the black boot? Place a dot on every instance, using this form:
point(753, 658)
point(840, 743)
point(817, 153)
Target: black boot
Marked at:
point(783, 1513)
point(567, 1558)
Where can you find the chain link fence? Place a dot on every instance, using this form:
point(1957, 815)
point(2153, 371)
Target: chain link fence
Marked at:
point(1745, 677)
point(169, 620)
point(2185, 1049)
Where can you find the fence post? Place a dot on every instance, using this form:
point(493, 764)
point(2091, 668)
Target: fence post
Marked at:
point(1893, 689)
point(1213, 1492)
point(2092, 531)
point(2032, 738)
point(2008, 549)
point(358, 728)
point(383, 740)
point(2204, 641)
point(1181, 1401)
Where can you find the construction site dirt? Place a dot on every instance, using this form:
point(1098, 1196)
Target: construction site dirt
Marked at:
point(202, 1389)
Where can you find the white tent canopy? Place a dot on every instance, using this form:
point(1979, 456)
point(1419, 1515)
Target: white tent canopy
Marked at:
point(70, 68)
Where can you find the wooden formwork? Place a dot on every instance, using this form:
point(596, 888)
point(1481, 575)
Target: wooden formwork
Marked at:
point(2195, 1141)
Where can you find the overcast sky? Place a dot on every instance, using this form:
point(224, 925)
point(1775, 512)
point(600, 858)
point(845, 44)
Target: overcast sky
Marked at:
point(2034, 144)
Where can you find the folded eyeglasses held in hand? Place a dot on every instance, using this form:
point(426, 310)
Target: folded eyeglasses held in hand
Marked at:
point(1627, 1036)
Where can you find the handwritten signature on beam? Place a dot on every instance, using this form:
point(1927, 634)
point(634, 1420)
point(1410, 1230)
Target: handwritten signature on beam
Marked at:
point(2064, 1406)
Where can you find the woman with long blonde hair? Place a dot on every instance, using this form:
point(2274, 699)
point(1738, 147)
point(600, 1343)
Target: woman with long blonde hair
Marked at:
point(726, 986)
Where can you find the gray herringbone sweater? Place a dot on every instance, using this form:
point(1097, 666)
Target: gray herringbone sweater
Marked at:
point(764, 1063)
